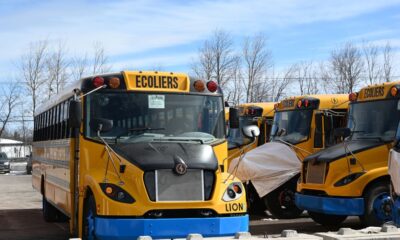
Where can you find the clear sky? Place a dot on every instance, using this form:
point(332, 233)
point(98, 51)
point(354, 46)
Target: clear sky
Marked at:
point(151, 33)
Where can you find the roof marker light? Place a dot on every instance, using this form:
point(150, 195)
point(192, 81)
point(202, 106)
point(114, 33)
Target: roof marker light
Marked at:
point(98, 82)
point(394, 91)
point(114, 82)
point(212, 86)
point(353, 97)
point(299, 103)
point(199, 85)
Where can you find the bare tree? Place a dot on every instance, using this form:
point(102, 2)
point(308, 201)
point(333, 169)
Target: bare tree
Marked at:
point(57, 64)
point(347, 67)
point(257, 59)
point(216, 58)
point(100, 60)
point(234, 86)
point(371, 52)
point(306, 77)
point(204, 67)
point(32, 70)
point(223, 57)
point(9, 100)
point(280, 83)
point(387, 62)
point(79, 67)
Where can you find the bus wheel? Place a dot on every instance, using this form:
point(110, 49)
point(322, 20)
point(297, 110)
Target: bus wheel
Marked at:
point(327, 219)
point(378, 208)
point(281, 202)
point(49, 211)
point(89, 214)
point(255, 204)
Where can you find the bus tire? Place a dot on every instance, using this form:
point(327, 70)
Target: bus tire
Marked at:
point(49, 211)
point(255, 204)
point(377, 205)
point(281, 202)
point(327, 219)
point(89, 214)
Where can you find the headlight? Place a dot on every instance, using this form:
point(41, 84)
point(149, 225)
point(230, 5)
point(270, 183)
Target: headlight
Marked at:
point(6, 163)
point(348, 179)
point(116, 193)
point(233, 192)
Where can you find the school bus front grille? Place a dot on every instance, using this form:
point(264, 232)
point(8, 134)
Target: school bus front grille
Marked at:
point(165, 185)
point(316, 172)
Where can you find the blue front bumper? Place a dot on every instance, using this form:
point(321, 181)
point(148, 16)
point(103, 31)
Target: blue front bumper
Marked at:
point(128, 228)
point(331, 205)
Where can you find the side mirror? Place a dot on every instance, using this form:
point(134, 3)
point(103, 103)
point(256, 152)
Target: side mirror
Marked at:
point(101, 124)
point(75, 114)
point(342, 132)
point(233, 117)
point(251, 131)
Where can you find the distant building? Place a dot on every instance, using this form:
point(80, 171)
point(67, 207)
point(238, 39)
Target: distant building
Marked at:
point(14, 149)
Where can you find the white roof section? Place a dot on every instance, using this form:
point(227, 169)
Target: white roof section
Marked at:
point(9, 141)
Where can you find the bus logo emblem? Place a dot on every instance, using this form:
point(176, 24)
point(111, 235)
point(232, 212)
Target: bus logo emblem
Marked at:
point(180, 168)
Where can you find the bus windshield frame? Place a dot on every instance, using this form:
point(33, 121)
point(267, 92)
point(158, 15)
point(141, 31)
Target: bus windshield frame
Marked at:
point(292, 126)
point(374, 120)
point(144, 117)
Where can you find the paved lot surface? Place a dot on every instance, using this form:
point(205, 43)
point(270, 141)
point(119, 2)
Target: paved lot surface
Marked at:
point(21, 216)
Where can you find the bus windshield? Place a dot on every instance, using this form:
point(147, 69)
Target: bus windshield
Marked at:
point(291, 126)
point(141, 117)
point(376, 120)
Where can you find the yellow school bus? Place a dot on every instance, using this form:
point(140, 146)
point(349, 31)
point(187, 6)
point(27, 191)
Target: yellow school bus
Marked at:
point(351, 178)
point(306, 124)
point(135, 153)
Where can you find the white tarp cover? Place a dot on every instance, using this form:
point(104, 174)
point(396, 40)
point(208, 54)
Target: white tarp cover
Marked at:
point(267, 166)
point(394, 170)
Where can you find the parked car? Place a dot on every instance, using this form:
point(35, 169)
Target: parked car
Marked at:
point(4, 163)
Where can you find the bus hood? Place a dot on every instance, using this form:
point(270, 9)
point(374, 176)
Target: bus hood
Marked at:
point(338, 151)
point(165, 155)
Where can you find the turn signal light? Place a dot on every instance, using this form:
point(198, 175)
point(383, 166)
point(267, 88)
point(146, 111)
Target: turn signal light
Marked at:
point(109, 190)
point(98, 82)
point(199, 85)
point(394, 91)
point(212, 86)
point(352, 97)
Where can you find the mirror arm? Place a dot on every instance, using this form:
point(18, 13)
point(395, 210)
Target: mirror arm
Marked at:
point(90, 92)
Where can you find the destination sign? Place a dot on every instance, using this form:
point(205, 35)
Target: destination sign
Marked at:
point(288, 103)
point(374, 92)
point(159, 81)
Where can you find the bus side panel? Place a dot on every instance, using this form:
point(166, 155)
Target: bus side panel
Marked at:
point(52, 161)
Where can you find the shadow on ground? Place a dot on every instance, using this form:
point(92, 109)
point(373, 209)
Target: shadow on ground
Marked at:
point(28, 224)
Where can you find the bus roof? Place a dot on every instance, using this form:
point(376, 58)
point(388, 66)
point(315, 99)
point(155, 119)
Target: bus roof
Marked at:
point(379, 91)
point(325, 101)
point(150, 81)
point(268, 107)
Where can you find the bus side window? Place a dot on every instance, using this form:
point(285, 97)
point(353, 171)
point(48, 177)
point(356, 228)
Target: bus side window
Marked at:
point(318, 141)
